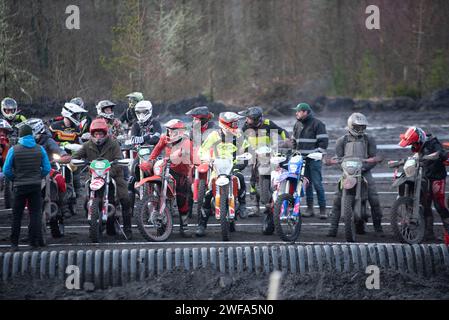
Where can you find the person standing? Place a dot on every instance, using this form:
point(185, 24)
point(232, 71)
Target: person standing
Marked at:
point(26, 165)
point(309, 136)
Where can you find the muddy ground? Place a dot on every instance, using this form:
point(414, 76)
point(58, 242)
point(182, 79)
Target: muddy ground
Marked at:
point(213, 286)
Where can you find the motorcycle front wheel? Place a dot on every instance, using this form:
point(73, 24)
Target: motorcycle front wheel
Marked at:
point(348, 214)
point(96, 223)
point(405, 227)
point(224, 221)
point(287, 226)
point(153, 225)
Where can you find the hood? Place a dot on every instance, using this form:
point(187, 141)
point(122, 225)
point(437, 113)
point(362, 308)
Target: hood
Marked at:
point(28, 141)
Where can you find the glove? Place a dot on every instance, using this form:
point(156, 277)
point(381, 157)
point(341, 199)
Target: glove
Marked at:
point(85, 136)
point(146, 166)
point(137, 140)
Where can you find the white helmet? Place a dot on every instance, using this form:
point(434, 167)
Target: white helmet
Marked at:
point(72, 111)
point(10, 105)
point(144, 111)
point(103, 105)
point(37, 125)
point(357, 124)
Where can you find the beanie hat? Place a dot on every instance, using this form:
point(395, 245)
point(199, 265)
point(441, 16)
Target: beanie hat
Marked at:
point(25, 130)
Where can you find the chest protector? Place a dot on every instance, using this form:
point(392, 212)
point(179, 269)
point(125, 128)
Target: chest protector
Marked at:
point(356, 147)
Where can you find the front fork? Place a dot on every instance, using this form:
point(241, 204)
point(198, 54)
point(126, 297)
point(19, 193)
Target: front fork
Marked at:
point(417, 196)
point(104, 208)
point(231, 199)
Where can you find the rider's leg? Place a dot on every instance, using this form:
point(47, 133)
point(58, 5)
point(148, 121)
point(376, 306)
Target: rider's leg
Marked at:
point(336, 213)
point(438, 195)
point(205, 213)
point(373, 198)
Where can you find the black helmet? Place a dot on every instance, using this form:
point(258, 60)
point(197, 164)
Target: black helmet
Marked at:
point(201, 113)
point(254, 113)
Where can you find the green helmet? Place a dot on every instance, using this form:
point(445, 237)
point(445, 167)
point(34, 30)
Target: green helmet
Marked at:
point(134, 98)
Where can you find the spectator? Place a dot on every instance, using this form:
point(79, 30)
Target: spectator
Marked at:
point(26, 165)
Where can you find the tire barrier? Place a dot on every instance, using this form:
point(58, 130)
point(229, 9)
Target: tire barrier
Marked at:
point(106, 268)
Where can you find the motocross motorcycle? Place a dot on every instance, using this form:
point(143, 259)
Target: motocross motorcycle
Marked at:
point(155, 210)
point(354, 188)
point(407, 212)
point(289, 183)
point(225, 188)
point(201, 179)
point(102, 200)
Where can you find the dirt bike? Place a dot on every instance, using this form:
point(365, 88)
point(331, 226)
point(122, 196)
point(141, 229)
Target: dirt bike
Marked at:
point(201, 179)
point(354, 188)
point(407, 212)
point(102, 203)
point(288, 189)
point(225, 188)
point(155, 211)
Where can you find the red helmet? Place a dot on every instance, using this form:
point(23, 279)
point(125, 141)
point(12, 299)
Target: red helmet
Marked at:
point(99, 125)
point(414, 136)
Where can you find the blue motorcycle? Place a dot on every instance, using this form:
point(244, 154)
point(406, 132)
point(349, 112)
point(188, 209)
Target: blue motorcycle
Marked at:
point(289, 185)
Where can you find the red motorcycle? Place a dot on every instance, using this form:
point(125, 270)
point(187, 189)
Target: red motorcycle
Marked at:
point(202, 174)
point(155, 211)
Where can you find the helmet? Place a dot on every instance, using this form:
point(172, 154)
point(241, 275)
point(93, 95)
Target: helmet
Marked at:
point(144, 111)
point(201, 113)
point(229, 122)
point(72, 111)
point(357, 124)
point(4, 125)
point(103, 105)
point(37, 125)
point(10, 105)
point(78, 101)
point(254, 113)
point(414, 137)
point(134, 98)
point(175, 130)
point(99, 125)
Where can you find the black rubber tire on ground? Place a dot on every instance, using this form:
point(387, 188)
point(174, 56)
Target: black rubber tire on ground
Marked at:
point(277, 221)
point(268, 224)
point(395, 223)
point(96, 224)
point(8, 194)
point(224, 222)
point(265, 192)
point(142, 219)
point(349, 218)
point(57, 227)
point(201, 195)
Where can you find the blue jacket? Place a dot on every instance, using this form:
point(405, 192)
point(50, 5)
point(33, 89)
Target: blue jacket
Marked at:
point(27, 142)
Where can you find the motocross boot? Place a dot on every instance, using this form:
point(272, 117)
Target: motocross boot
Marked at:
point(127, 223)
point(323, 214)
point(309, 212)
point(202, 223)
point(184, 226)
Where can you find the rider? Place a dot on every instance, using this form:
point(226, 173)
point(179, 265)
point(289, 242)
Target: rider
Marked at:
point(357, 143)
point(11, 113)
point(85, 119)
point(201, 116)
point(101, 145)
point(129, 116)
point(258, 132)
point(225, 142)
point(5, 131)
point(67, 131)
point(178, 146)
point(43, 137)
point(105, 110)
point(434, 171)
point(146, 131)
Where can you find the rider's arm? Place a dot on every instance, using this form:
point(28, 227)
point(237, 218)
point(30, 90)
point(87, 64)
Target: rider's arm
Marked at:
point(159, 148)
point(53, 148)
point(153, 139)
point(81, 153)
point(208, 144)
point(244, 148)
point(372, 152)
point(340, 147)
point(282, 132)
